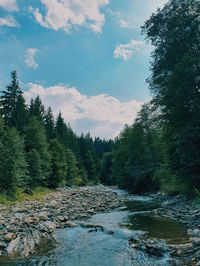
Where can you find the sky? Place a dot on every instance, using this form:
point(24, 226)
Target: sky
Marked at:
point(87, 59)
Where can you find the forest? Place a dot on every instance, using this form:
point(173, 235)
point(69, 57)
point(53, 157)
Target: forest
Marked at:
point(159, 151)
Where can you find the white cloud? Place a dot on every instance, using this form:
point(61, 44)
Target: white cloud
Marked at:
point(66, 13)
point(125, 24)
point(9, 5)
point(8, 21)
point(29, 58)
point(102, 115)
point(125, 51)
point(133, 16)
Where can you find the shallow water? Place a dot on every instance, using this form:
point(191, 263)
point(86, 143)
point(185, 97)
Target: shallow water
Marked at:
point(80, 247)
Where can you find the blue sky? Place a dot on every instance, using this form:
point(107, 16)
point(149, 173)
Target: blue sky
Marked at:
point(85, 58)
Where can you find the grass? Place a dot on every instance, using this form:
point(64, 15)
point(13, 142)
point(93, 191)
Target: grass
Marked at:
point(38, 194)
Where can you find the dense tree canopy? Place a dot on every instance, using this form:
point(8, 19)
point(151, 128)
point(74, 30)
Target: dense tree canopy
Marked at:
point(175, 84)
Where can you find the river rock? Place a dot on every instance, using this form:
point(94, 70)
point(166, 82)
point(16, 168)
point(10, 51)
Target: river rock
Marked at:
point(195, 240)
point(42, 216)
point(60, 218)
point(2, 244)
point(70, 224)
point(9, 236)
point(13, 246)
point(47, 226)
point(28, 221)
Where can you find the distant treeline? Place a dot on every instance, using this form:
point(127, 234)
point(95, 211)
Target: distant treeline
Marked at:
point(161, 150)
point(38, 150)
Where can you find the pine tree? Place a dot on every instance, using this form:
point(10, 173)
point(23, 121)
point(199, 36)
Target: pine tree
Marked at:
point(38, 155)
point(73, 176)
point(13, 107)
point(66, 136)
point(58, 165)
point(37, 109)
point(34, 163)
point(91, 168)
point(13, 167)
point(49, 124)
point(60, 129)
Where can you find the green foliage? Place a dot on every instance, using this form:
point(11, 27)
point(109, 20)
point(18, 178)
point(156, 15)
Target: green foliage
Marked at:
point(38, 155)
point(58, 165)
point(37, 109)
point(90, 167)
point(13, 167)
point(89, 158)
point(48, 153)
point(174, 31)
point(49, 124)
point(106, 169)
point(84, 175)
point(136, 154)
point(38, 193)
point(13, 105)
point(72, 178)
point(66, 136)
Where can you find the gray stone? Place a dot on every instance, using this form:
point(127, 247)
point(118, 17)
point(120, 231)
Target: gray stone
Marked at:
point(13, 246)
point(47, 226)
point(71, 224)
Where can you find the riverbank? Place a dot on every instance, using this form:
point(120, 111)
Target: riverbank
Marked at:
point(24, 224)
point(187, 212)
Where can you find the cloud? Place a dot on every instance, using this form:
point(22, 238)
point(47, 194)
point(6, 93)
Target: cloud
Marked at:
point(131, 14)
point(9, 5)
point(9, 22)
point(29, 58)
point(125, 51)
point(67, 13)
point(124, 24)
point(102, 115)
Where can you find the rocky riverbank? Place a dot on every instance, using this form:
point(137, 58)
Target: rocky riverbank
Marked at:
point(187, 212)
point(24, 225)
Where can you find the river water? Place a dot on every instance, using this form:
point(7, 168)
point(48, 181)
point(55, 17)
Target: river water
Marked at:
point(82, 246)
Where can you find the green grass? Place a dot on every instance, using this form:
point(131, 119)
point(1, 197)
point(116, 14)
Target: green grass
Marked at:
point(38, 194)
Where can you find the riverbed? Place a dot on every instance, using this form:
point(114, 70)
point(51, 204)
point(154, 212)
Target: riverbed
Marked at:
point(128, 235)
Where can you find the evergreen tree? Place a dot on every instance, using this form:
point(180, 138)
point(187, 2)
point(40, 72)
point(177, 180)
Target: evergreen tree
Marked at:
point(89, 157)
point(58, 165)
point(34, 162)
point(138, 153)
point(90, 167)
point(83, 175)
point(66, 136)
point(13, 106)
point(13, 167)
point(38, 155)
point(1, 128)
point(73, 176)
point(49, 124)
point(37, 109)
point(106, 169)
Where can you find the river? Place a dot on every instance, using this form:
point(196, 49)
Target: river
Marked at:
point(108, 244)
